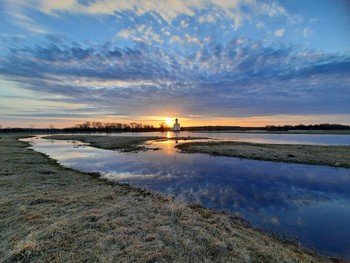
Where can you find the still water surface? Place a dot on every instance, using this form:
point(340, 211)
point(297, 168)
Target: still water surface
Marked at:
point(310, 204)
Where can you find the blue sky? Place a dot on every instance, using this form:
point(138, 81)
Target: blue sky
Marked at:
point(238, 62)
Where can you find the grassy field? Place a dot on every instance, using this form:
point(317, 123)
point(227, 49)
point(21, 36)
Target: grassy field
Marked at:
point(52, 214)
point(337, 156)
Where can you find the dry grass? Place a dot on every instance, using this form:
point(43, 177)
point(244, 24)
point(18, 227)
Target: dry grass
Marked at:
point(337, 156)
point(52, 214)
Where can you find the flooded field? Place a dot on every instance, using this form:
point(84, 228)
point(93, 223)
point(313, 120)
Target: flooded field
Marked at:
point(305, 203)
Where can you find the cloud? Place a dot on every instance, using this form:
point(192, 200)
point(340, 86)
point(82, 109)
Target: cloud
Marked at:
point(184, 23)
point(205, 58)
point(274, 9)
point(190, 39)
point(166, 10)
point(238, 79)
point(175, 39)
point(280, 32)
point(126, 33)
point(209, 18)
point(19, 18)
point(150, 35)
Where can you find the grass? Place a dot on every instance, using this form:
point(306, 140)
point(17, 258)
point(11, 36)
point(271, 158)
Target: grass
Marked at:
point(53, 214)
point(330, 155)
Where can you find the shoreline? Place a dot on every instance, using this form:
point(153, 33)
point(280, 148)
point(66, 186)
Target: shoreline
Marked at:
point(52, 213)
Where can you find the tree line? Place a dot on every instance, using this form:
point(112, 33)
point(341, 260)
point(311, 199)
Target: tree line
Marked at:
point(110, 127)
point(323, 126)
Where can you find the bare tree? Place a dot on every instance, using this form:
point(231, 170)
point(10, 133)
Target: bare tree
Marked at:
point(162, 126)
point(87, 125)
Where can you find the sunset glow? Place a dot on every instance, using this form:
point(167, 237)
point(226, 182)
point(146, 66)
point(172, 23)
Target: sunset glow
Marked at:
point(169, 121)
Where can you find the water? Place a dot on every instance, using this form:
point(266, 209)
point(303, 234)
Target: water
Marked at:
point(309, 204)
point(321, 139)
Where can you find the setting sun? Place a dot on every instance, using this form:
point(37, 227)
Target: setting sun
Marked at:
point(169, 121)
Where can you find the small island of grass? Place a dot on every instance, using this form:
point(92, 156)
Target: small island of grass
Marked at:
point(330, 155)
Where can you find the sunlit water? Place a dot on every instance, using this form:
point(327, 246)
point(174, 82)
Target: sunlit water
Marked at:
point(309, 204)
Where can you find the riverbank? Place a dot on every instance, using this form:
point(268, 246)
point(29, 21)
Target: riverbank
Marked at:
point(330, 155)
point(50, 213)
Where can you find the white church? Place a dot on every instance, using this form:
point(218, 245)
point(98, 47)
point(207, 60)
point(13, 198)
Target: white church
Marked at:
point(176, 126)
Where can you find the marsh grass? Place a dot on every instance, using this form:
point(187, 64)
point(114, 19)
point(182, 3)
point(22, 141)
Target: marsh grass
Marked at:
point(53, 214)
point(330, 155)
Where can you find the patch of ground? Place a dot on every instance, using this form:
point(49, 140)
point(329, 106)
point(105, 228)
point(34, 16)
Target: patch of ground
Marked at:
point(337, 156)
point(119, 143)
point(52, 214)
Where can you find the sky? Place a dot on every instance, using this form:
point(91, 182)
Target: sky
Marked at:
point(211, 62)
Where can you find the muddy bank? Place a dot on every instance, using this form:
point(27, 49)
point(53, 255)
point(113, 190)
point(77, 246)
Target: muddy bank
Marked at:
point(337, 156)
point(50, 213)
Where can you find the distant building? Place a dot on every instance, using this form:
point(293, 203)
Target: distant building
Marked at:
point(176, 126)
